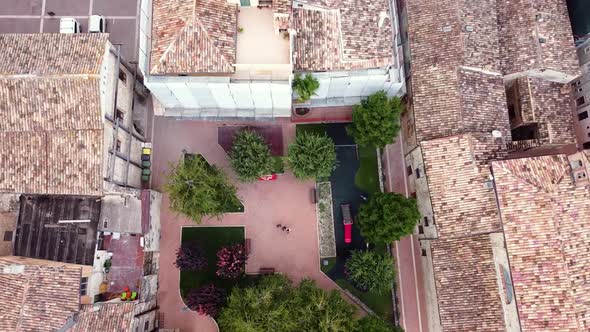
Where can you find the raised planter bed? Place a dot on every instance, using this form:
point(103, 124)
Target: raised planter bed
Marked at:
point(325, 220)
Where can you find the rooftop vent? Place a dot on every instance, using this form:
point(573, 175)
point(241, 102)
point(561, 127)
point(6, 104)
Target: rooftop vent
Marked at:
point(488, 185)
point(382, 17)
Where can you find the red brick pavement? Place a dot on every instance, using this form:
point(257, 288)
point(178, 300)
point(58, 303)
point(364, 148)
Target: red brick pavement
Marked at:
point(286, 201)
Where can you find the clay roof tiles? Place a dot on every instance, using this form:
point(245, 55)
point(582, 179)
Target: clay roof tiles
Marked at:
point(545, 217)
point(50, 112)
point(342, 35)
point(193, 36)
point(39, 299)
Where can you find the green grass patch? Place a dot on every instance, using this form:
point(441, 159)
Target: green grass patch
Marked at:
point(278, 166)
point(331, 263)
point(316, 128)
point(367, 176)
point(210, 240)
point(380, 303)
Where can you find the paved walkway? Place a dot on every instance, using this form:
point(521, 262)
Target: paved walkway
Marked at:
point(286, 201)
point(410, 282)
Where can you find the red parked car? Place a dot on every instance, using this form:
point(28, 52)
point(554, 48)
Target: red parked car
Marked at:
point(270, 177)
point(347, 221)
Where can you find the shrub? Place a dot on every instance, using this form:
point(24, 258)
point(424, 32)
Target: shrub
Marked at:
point(190, 258)
point(274, 304)
point(376, 120)
point(305, 87)
point(311, 155)
point(250, 156)
point(231, 261)
point(372, 323)
point(370, 271)
point(387, 217)
point(197, 189)
point(206, 300)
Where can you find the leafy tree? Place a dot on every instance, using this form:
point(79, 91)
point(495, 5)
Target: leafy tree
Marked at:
point(311, 155)
point(387, 217)
point(275, 305)
point(370, 271)
point(206, 300)
point(197, 189)
point(190, 258)
point(376, 120)
point(231, 261)
point(305, 87)
point(250, 156)
point(372, 323)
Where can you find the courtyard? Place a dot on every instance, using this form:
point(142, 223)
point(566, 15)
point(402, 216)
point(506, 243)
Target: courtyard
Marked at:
point(286, 201)
point(354, 180)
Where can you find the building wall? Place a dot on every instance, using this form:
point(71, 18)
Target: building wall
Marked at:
point(581, 96)
point(418, 187)
point(9, 208)
point(429, 286)
point(117, 168)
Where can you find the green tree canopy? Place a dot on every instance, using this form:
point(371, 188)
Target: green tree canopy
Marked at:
point(376, 120)
point(311, 155)
point(274, 304)
point(250, 156)
point(370, 271)
point(197, 189)
point(372, 323)
point(305, 87)
point(387, 217)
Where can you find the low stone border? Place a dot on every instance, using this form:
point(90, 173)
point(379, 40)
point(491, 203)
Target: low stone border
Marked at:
point(359, 302)
point(325, 218)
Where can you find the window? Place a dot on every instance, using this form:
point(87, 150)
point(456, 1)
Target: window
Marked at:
point(119, 115)
point(118, 146)
point(425, 221)
point(580, 101)
point(409, 170)
point(122, 76)
point(83, 285)
point(424, 252)
point(8, 236)
point(146, 325)
point(417, 173)
point(420, 229)
point(583, 115)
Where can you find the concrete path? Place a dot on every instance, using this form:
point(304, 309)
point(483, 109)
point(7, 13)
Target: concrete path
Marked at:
point(410, 282)
point(285, 201)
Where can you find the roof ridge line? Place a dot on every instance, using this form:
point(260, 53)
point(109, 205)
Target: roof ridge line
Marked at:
point(210, 40)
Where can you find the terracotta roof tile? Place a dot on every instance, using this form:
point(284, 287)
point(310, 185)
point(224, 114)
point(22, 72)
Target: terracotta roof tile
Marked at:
point(461, 204)
point(41, 298)
point(52, 54)
point(52, 116)
point(193, 36)
point(545, 217)
point(109, 317)
point(342, 35)
point(115, 317)
point(521, 23)
point(466, 285)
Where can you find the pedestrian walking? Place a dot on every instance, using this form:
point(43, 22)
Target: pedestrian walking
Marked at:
point(279, 225)
point(284, 228)
point(288, 230)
